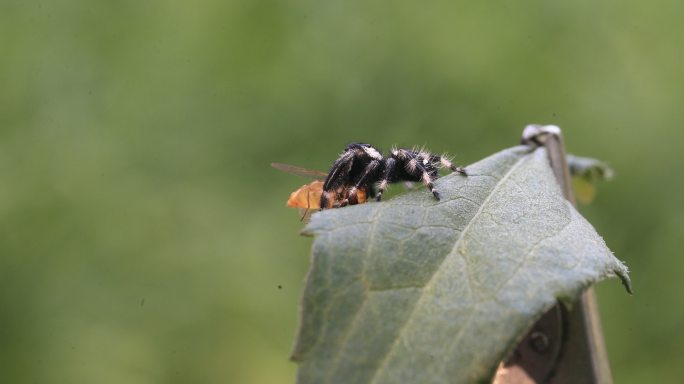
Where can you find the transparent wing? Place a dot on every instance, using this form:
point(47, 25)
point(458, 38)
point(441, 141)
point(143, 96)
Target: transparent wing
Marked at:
point(299, 171)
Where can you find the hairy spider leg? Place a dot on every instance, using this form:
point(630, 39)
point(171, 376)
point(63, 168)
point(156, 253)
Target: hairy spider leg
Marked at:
point(417, 167)
point(389, 174)
point(354, 160)
point(370, 170)
point(446, 163)
point(337, 178)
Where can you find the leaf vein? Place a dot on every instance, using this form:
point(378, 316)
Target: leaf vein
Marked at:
point(410, 317)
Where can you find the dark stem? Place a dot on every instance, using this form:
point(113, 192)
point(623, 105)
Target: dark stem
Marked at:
point(584, 358)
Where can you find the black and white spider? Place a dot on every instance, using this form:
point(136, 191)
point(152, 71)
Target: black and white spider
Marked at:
point(361, 167)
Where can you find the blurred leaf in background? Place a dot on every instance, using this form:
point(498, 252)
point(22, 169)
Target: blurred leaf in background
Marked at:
point(144, 237)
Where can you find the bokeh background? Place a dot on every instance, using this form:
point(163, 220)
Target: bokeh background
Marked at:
point(144, 237)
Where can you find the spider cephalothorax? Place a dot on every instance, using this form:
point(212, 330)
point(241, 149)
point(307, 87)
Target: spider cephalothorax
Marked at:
point(362, 168)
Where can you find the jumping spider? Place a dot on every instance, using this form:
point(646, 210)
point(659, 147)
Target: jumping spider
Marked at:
point(362, 170)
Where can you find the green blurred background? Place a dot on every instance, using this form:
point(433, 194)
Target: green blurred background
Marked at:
point(144, 236)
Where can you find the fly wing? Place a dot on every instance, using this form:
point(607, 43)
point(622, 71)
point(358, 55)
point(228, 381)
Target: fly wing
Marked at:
point(299, 171)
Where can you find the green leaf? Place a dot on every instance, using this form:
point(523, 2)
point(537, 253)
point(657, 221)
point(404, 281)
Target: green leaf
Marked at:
point(414, 290)
point(590, 169)
point(585, 173)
